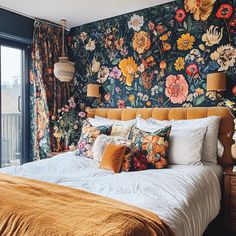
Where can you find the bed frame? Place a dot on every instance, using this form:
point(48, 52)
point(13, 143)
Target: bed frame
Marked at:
point(226, 129)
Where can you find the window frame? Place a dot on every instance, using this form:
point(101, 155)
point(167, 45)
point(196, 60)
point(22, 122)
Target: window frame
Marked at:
point(25, 102)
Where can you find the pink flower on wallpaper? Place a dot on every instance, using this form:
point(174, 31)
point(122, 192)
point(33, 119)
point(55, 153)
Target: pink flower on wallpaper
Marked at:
point(115, 73)
point(151, 25)
point(81, 114)
point(71, 102)
point(176, 88)
point(117, 89)
point(121, 104)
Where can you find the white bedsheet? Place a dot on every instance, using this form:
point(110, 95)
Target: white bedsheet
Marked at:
point(186, 197)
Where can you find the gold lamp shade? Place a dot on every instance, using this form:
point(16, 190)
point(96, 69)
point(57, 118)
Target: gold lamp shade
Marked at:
point(93, 90)
point(216, 82)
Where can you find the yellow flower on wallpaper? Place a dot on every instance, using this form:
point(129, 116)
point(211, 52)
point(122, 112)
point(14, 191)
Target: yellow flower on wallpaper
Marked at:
point(201, 9)
point(179, 63)
point(131, 98)
point(129, 69)
point(185, 42)
point(141, 41)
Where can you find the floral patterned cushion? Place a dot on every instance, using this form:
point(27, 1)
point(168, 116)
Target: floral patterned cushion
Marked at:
point(149, 150)
point(88, 136)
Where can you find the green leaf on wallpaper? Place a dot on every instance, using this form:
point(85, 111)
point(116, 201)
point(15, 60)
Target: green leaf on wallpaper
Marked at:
point(189, 23)
point(128, 88)
point(148, 53)
point(185, 25)
point(192, 88)
point(200, 100)
point(116, 61)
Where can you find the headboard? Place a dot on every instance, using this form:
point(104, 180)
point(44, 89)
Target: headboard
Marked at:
point(226, 125)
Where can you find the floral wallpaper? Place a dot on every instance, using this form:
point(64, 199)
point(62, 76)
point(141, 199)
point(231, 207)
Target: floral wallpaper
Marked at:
point(157, 57)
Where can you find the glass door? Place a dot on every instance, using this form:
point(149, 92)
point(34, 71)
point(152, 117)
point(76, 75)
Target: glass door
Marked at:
point(12, 104)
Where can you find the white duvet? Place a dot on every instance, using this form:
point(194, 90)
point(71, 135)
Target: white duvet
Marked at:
point(186, 197)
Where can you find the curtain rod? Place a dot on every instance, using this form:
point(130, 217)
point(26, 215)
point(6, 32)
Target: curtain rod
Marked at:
point(33, 18)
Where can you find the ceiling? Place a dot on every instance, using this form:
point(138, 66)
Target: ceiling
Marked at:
point(76, 12)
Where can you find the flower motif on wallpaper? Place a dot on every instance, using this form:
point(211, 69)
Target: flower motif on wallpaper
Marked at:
point(95, 65)
point(225, 11)
point(141, 41)
point(195, 56)
point(185, 42)
point(136, 22)
point(83, 36)
point(179, 63)
point(90, 46)
point(192, 70)
point(115, 73)
point(201, 9)
point(225, 56)
point(176, 88)
point(103, 74)
point(180, 15)
point(212, 36)
point(129, 68)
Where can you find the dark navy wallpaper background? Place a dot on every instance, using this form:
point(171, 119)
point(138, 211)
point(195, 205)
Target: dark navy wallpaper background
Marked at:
point(157, 57)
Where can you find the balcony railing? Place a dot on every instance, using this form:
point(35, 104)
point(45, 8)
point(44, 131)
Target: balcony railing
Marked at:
point(11, 139)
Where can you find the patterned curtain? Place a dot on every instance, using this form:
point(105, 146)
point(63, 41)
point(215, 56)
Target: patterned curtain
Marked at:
point(47, 94)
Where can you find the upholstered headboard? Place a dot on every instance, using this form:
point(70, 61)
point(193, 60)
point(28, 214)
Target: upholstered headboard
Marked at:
point(226, 126)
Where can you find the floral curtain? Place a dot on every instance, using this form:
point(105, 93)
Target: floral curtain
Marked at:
point(47, 94)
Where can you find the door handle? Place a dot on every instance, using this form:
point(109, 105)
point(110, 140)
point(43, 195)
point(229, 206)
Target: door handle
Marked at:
point(19, 103)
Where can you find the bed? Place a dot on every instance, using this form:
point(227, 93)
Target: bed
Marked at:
point(187, 198)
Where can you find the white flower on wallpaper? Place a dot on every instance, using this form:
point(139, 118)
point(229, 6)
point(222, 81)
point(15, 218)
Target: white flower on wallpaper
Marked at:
point(90, 46)
point(103, 74)
point(136, 22)
point(212, 36)
point(225, 56)
point(95, 65)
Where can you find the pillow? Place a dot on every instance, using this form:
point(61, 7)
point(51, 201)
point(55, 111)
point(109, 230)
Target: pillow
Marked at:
point(112, 157)
point(88, 136)
point(220, 149)
point(186, 146)
point(149, 150)
point(99, 121)
point(186, 143)
point(101, 143)
point(209, 153)
point(121, 131)
point(99, 146)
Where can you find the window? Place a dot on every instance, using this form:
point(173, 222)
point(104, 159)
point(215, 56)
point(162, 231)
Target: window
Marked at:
point(14, 94)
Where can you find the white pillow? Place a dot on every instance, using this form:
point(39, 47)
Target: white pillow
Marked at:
point(209, 153)
point(100, 144)
point(100, 121)
point(186, 144)
point(220, 148)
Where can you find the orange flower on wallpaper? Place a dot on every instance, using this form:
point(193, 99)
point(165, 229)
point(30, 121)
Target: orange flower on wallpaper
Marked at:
point(201, 9)
point(129, 69)
point(141, 42)
point(185, 42)
point(176, 88)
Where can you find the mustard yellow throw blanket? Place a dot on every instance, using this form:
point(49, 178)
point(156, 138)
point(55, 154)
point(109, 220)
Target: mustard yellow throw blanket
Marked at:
point(29, 207)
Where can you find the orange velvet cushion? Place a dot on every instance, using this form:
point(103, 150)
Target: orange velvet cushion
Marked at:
point(112, 157)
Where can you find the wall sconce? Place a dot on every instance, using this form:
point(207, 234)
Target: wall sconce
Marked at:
point(93, 91)
point(216, 82)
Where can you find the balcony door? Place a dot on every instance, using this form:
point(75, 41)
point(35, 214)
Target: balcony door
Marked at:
point(14, 77)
